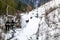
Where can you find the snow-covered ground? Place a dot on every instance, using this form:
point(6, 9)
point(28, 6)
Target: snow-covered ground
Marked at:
point(36, 25)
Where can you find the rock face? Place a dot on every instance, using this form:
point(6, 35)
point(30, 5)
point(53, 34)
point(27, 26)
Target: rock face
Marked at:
point(33, 2)
point(49, 15)
point(50, 27)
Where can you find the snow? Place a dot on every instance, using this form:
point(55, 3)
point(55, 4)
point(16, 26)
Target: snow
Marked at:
point(29, 30)
point(31, 26)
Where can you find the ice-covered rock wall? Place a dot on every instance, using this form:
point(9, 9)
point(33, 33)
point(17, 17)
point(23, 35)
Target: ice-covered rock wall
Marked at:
point(49, 16)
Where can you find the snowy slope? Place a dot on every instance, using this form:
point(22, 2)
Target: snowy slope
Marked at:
point(29, 30)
